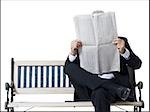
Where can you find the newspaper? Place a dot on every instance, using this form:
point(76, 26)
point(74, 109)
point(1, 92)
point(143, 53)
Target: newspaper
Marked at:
point(98, 55)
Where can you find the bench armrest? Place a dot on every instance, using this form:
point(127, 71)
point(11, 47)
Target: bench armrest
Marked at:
point(7, 87)
point(140, 86)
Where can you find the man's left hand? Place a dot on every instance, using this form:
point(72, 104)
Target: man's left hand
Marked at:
point(120, 43)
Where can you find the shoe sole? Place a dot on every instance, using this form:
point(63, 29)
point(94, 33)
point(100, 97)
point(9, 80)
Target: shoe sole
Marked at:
point(128, 92)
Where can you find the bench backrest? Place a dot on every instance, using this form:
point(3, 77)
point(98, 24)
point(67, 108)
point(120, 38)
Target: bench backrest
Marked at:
point(40, 77)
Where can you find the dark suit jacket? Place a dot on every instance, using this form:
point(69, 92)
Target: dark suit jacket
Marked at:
point(124, 78)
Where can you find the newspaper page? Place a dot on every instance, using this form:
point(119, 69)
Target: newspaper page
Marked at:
point(98, 55)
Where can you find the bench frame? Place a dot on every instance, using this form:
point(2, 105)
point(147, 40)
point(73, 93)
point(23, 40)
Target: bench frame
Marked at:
point(10, 88)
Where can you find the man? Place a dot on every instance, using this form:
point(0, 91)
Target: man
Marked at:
point(103, 89)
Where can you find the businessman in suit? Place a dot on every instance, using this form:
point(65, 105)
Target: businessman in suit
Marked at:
point(103, 89)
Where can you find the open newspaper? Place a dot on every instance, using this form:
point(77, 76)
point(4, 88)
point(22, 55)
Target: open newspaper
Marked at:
point(98, 55)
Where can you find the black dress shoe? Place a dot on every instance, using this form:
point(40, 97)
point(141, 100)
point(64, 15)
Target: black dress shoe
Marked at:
point(123, 93)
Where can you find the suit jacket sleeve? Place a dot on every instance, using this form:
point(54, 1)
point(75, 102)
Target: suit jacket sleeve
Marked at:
point(76, 61)
point(134, 61)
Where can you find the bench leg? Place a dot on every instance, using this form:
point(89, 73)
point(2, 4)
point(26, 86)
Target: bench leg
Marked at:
point(140, 108)
point(12, 109)
point(135, 109)
point(7, 109)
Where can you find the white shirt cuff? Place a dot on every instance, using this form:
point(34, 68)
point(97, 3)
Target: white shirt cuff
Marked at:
point(72, 57)
point(126, 54)
point(107, 76)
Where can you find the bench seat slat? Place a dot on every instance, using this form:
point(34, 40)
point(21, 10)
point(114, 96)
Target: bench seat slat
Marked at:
point(39, 63)
point(67, 104)
point(55, 90)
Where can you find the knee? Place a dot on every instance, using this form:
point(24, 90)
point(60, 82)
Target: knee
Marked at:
point(100, 92)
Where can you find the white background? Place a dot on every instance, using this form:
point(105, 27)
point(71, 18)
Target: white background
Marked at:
point(43, 30)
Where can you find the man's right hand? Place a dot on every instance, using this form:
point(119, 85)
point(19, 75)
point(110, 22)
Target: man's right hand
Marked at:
point(75, 45)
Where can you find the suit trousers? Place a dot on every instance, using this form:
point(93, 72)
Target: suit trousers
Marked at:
point(102, 99)
point(103, 90)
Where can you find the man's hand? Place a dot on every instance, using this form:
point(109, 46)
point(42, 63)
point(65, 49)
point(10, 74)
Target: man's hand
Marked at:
point(120, 43)
point(75, 45)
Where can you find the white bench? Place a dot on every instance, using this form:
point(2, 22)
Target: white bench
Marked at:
point(47, 77)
